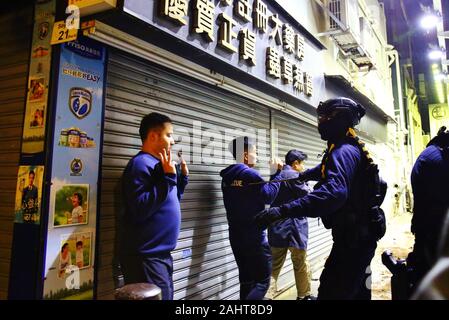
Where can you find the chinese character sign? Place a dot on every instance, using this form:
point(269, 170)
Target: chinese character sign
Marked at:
point(249, 34)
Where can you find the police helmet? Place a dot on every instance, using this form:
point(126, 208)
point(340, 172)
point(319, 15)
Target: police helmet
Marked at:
point(341, 106)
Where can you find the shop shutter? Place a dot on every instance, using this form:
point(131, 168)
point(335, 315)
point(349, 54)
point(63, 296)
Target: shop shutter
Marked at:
point(295, 134)
point(204, 266)
point(16, 26)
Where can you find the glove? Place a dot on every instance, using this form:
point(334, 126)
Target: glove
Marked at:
point(266, 217)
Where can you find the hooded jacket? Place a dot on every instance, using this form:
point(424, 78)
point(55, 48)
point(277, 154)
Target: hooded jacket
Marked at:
point(243, 201)
point(291, 232)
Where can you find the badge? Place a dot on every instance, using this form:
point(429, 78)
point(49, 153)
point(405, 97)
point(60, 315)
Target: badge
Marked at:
point(80, 102)
point(76, 166)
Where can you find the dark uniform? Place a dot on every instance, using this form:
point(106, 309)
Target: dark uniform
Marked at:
point(429, 178)
point(338, 199)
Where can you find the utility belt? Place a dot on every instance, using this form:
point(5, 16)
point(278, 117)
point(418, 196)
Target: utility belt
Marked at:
point(354, 226)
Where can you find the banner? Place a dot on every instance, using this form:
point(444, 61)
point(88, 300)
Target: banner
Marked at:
point(69, 268)
point(38, 81)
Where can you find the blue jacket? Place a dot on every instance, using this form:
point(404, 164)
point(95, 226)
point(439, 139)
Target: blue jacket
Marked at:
point(333, 195)
point(243, 202)
point(152, 217)
point(430, 191)
point(292, 232)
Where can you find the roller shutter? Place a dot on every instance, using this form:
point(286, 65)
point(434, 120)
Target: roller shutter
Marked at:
point(16, 26)
point(294, 134)
point(204, 266)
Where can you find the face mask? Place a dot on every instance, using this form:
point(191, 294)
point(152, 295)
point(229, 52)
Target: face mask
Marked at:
point(332, 130)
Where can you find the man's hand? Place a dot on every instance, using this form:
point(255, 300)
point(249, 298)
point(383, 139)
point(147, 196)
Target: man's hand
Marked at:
point(266, 217)
point(184, 168)
point(275, 165)
point(167, 164)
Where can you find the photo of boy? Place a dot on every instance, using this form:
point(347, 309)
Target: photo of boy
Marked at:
point(71, 205)
point(79, 254)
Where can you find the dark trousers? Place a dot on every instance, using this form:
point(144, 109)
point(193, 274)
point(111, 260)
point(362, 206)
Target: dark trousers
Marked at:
point(423, 256)
point(156, 270)
point(347, 273)
point(254, 266)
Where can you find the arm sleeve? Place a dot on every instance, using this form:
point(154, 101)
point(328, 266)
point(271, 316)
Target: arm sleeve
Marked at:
point(182, 183)
point(142, 195)
point(269, 191)
point(313, 174)
point(334, 192)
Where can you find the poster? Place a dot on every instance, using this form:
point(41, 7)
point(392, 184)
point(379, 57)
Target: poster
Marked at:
point(71, 205)
point(69, 261)
point(75, 252)
point(39, 74)
point(29, 194)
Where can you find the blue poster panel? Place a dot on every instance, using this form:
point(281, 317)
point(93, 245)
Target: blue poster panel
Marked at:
point(69, 267)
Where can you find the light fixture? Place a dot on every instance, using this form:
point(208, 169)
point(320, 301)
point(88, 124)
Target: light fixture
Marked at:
point(436, 54)
point(430, 21)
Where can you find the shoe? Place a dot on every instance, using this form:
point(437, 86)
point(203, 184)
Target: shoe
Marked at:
point(309, 297)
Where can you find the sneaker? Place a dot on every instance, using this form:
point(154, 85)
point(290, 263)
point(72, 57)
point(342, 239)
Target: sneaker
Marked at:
point(309, 297)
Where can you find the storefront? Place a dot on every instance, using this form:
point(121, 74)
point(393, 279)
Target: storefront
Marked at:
point(205, 105)
point(218, 70)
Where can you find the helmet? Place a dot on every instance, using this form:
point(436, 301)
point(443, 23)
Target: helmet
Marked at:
point(341, 107)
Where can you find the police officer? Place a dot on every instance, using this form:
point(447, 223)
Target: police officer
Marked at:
point(291, 234)
point(244, 195)
point(430, 176)
point(337, 198)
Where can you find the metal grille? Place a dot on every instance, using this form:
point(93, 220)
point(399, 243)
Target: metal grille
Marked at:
point(204, 266)
point(335, 8)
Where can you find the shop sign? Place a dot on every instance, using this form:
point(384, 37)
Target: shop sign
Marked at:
point(248, 34)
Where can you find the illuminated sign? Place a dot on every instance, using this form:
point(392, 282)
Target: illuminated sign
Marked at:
point(248, 34)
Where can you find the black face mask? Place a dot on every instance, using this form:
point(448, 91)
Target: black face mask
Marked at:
point(333, 130)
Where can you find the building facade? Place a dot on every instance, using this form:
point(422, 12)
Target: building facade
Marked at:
point(219, 69)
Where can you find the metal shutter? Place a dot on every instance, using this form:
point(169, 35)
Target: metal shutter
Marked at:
point(295, 134)
point(135, 88)
point(16, 26)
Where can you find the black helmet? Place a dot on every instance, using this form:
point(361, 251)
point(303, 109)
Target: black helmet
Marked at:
point(348, 108)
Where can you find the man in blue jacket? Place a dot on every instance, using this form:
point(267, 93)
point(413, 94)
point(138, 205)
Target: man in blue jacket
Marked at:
point(338, 200)
point(291, 234)
point(150, 226)
point(244, 195)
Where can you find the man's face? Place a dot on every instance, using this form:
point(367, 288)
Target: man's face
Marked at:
point(161, 138)
point(31, 179)
point(75, 201)
point(251, 156)
point(298, 166)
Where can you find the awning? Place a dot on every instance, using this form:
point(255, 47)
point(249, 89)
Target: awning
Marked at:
point(342, 83)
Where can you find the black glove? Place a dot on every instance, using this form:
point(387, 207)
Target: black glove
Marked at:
point(266, 217)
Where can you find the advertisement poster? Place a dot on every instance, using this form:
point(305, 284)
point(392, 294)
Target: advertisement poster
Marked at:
point(29, 194)
point(39, 75)
point(69, 269)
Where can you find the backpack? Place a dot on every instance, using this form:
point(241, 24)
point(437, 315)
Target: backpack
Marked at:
point(365, 213)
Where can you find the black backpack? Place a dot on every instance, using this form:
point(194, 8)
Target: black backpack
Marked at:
point(365, 213)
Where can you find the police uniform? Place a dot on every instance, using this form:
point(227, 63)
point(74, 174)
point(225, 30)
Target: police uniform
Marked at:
point(338, 198)
point(429, 180)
